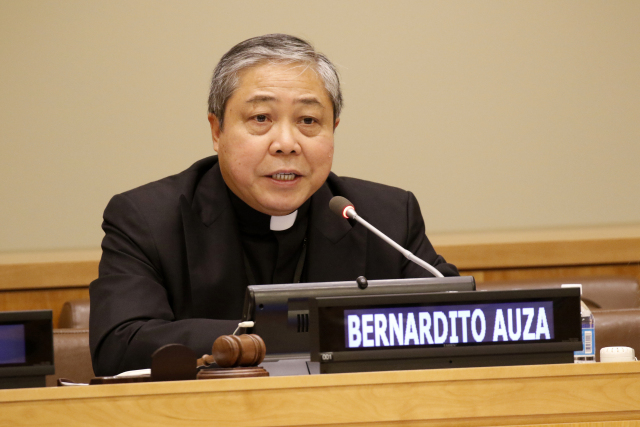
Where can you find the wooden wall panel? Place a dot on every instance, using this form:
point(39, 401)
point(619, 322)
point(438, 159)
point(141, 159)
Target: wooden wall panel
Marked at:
point(54, 269)
point(41, 299)
point(541, 248)
point(490, 275)
point(47, 279)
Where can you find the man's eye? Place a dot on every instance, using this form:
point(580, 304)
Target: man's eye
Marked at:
point(308, 121)
point(261, 118)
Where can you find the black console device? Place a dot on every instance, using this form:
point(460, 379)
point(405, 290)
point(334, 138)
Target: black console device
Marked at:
point(281, 312)
point(26, 348)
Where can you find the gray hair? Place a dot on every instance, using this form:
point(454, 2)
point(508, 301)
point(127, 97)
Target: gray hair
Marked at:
point(278, 48)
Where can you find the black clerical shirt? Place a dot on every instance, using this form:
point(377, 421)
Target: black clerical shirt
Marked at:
point(272, 256)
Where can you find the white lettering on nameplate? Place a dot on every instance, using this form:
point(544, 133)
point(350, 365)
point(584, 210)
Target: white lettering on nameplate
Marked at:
point(449, 325)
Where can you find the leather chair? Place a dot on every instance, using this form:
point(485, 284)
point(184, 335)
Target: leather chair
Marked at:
point(617, 328)
point(71, 354)
point(614, 301)
point(599, 292)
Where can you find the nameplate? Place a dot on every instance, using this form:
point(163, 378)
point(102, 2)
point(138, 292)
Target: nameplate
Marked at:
point(450, 324)
point(446, 329)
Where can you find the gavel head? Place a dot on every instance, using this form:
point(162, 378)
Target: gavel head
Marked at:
point(238, 350)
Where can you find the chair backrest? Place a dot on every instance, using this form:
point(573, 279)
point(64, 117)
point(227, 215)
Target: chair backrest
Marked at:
point(616, 328)
point(75, 314)
point(600, 292)
point(71, 354)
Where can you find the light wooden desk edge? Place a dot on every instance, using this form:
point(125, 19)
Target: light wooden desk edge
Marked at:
point(593, 394)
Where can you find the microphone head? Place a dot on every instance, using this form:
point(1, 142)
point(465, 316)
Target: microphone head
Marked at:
point(339, 206)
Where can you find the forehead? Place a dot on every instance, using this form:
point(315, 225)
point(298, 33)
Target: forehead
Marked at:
point(281, 82)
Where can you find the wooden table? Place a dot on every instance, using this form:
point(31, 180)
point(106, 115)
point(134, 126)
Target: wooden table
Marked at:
point(569, 395)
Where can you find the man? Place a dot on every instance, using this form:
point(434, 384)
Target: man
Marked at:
point(179, 253)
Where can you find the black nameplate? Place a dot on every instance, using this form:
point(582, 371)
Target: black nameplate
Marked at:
point(445, 330)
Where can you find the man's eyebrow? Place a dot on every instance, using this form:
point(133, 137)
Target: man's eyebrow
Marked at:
point(260, 98)
point(309, 100)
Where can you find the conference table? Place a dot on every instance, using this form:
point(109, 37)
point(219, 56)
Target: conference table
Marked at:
point(602, 394)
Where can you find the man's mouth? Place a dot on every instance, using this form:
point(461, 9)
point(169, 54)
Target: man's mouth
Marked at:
point(284, 176)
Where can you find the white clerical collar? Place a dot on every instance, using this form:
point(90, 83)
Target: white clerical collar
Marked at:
point(280, 223)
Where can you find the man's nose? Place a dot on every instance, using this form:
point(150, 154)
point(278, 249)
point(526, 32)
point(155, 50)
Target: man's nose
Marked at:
point(285, 140)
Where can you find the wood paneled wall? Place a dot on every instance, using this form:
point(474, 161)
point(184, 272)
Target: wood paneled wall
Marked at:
point(45, 280)
point(576, 252)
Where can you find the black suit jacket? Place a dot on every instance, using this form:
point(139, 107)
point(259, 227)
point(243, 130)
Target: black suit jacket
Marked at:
point(172, 268)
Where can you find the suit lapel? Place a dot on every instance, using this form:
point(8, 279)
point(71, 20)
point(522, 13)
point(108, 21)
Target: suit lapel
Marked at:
point(337, 250)
point(214, 251)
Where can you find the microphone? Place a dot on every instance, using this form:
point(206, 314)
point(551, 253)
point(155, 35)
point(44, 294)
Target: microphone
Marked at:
point(344, 208)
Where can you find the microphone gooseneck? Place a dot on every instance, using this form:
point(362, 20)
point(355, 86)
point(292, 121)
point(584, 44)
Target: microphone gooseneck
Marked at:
point(344, 208)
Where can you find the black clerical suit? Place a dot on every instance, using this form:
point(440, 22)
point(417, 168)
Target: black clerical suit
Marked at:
point(173, 268)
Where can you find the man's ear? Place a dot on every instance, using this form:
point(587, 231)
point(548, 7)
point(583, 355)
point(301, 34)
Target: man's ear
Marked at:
point(335, 125)
point(215, 130)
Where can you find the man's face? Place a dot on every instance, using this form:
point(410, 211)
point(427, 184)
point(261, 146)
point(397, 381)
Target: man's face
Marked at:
point(276, 147)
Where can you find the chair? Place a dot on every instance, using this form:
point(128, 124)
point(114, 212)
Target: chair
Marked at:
point(71, 354)
point(599, 292)
point(617, 328)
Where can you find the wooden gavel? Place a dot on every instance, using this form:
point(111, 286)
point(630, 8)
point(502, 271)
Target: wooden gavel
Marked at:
point(230, 351)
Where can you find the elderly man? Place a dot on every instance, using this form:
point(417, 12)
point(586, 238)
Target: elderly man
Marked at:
point(179, 253)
